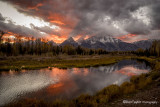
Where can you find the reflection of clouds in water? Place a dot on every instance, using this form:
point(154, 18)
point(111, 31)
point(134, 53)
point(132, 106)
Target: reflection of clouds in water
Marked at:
point(131, 71)
point(95, 81)
point(134, 63)
point(89, 80)
point(79, 71)
point(66, 83)
point(59, 73)
point(15, 85)
point(100, 77)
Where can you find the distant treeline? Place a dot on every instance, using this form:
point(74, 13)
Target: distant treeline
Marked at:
point(38, 47)
point(154, 50)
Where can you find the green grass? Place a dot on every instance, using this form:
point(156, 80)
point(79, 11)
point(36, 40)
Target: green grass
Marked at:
point(29, 63)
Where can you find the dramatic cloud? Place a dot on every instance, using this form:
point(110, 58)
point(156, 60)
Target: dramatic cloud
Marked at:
point(9, 26)
point(137, 27)
point(93, 17)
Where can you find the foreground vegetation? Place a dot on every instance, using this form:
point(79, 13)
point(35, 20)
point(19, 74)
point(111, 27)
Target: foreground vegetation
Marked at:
point(106, 95)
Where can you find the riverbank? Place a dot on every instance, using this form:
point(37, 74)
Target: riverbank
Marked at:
point(148, 97)
point(112, 95)
point(61, 61)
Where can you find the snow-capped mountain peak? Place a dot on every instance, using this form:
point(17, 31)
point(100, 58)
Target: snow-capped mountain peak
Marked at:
point(108, 43)
point(102, 39)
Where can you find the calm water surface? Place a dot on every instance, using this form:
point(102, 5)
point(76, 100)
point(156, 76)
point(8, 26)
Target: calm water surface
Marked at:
point(65, 83)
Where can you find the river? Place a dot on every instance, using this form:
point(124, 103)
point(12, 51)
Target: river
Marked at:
point(50, 84)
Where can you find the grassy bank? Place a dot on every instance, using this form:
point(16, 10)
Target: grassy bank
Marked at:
point(29, 62)
point(110, 93)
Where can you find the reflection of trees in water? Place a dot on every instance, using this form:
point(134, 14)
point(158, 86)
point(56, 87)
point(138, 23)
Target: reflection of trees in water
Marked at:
point(121, 64)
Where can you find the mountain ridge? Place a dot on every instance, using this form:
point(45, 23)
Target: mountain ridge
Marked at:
point(108, 43)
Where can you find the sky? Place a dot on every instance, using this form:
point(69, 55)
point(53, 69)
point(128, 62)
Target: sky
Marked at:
point(128, 20)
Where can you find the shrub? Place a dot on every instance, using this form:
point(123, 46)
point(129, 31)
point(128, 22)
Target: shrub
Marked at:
point(108, 93)
point(155, 75)
point(134, 79)
point(62, 103)
point(157, 67)
point(85, 100)
point(111, 90)
point(104, 99)
point(144, 82)
point(128, 87)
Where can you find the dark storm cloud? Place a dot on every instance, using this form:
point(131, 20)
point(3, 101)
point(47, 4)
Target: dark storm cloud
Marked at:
point(17, 29)
point(155, 15)
point(118, 10)
point(25, 3)
point(1, 17)
point(88, 16)
point(136, 27)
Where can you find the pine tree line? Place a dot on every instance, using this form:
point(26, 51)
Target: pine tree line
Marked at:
point(154, 50)
point(37, 47)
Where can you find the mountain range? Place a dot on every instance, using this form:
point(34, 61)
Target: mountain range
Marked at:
point(108, 43)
